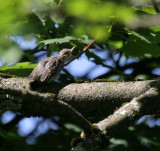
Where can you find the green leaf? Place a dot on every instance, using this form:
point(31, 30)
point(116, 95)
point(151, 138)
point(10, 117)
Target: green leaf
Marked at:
point(58, 40)
point(96, 11)
point(149, 10)
point(140, 36)
point(20, 69)
point(30, 57)
point(32, 25)
point(11, 14)
point(148, 141)
point(57, 19)
point(67, 39)
point(9, 135)
point(140, 46)
point(10, 53)
point(85, 39)
point(155, 28)
point(116, 44)
point(72, 127)
point(146, 9)
point(116, 142)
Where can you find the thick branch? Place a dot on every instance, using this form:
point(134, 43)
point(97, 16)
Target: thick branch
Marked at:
point(102, 98)
point(90, 99)
point(19, 99)
point(147, 103)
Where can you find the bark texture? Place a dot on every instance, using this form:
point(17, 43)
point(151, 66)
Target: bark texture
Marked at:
point(121, 103)
point(91, 99)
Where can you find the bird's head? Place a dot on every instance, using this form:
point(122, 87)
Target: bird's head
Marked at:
point(66, 54)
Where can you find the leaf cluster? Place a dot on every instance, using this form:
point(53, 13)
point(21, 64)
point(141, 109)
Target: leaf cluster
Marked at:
point(128, 34)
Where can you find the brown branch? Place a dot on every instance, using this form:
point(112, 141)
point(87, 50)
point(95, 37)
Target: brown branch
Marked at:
point(87, 47)
point(84, 50)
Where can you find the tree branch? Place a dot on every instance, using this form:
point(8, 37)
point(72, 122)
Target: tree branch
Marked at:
point(15, 91)
point(84, 50)
point(77, 117)
point(146, 103)
point(90, 99)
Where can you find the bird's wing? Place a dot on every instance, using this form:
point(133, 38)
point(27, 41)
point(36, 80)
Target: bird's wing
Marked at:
point(50, 69)
point(36, 73)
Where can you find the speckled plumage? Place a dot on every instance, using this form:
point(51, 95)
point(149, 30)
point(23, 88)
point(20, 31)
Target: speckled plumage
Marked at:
point(49, 68)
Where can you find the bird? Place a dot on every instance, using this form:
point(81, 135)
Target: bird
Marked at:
point(49, 68)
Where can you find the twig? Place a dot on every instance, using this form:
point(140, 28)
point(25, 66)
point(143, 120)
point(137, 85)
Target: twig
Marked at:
point(87, 47)
point(84, 50)
point(130, 112)
point(76, 116)
point(60, 2)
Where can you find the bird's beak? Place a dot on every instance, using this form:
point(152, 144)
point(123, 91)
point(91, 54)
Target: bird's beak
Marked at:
point(72, 48)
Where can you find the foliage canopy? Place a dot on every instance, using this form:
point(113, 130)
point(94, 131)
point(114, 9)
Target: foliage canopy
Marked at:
point(122, 29)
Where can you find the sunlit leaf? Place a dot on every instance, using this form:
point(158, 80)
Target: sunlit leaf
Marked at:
point(99, 32)
point(84, 39)
point(11, 14)
point(155, 28)
point(116, 44)
point(116, 142)
point(73, 127)
point(20, 69)
point(97, 11)
point(140, 36)
point(67, 39)
point(58, 40)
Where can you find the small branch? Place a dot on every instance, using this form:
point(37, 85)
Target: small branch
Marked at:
point(84, 50)
point(155, 6)
point(60, 2)
point(35, 50)
point(87, 47)
point(76, 117)
point(130, 112)
point(121, 119)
